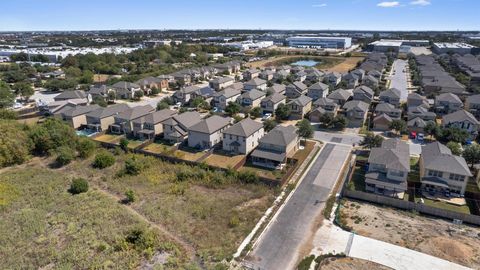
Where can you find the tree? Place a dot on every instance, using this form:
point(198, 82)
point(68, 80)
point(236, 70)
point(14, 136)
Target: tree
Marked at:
point(133, 166)
point(8, 114)
point(51, 134)
point(269, 124)
point(453, 134)
point(283, 112)
point(65, 155)
point(371, 140)
point(85, 147)
point(472, 154)
point(162, 105)
point(305, 129)
point(138, 95)
point(78, 185)
point(103, 160)
point(431, 129)
point(398, 125)
point(6, 96)
point(25, 90)
point(339, 122)
point(100, 101)
point(326, 119)
point(155, 91)
point(455, 147)
point(232, 108)
point(15, 145)
point(124, 144)
point(256, 112)
point(130, 196)
point(111, 95)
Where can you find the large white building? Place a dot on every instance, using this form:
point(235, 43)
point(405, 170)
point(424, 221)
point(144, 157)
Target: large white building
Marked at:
point(320, 42)
point(386, 45)
point(460, 48)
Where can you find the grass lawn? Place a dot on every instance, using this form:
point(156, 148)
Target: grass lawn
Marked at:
point(262, 172)
point(443, 205)
point(187, 154)
point(44, 226)
point(132, 144)
point(358, 179)
point(158, 148)
point(414, 174)
point(223, 161)
point(109, 138)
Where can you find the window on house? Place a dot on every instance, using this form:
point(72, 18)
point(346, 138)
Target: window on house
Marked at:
point(457, 177)
point(435, 173)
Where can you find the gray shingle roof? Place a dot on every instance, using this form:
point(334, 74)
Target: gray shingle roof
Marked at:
point(135, 112)
point(301, 100)
point(275, 98)
point(186, 119)
point(319, 86)
point(211, 124)
point(228, 92)
point(125, 85)
point(255, 82)
point(80, 110)
point(393, 154)
point(71, 94)
point(157, 117)
point(340, 94)
point(391, 93)
point(244, 128)
point(253, 94)
point(108, 111)
point(356, 104)
point(280, 135)
point(416, 122)
point(459, 116)
point(438, 157)
point(449, 97)
point(386, 107)
point(277, 88)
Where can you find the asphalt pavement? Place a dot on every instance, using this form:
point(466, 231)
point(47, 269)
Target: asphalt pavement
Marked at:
point(399, 78)
point(280, 245)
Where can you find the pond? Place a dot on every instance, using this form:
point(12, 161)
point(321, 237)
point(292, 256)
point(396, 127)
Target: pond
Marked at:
point(305, 63)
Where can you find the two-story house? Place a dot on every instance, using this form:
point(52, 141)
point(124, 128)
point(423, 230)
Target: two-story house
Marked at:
point(472, 104)
point(270, 103)
point(447, 103)
point(356, 110)
point(318, 90)
point(221, 83)
point(442, 172)
point(175, 128)
point(340, 96)
point(75, 116)
point(251, 98)
point(276, 147)
point(185, 94)
point(222, 98)
point(149, 83)
point(151, 125)
point(300, 107)
point(255, 83)
point(250, 74)
point(351, 80)
point(391, 96)
point(333, 78)
point(388, 168)
point(124, 121)
point(388, 109)
point(296, 89)
point(277, 88)
point(100, 119)
point(126, 90)
point(363, 93)
point(208, 132)
point(243, 137)
point(463, 120)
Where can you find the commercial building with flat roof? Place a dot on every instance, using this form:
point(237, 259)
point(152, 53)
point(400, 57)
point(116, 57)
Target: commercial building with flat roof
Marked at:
point(320, 42)
point(459, 48)
point(386, 45)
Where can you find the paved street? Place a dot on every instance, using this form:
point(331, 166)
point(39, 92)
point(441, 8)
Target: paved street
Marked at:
point(281, 243)
point(399, 78)
point(338, 138)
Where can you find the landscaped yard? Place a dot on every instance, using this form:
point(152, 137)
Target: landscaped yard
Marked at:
point(158, 148)
point(444, 205)
point(223, 161)
point(188, 154)
point(132, 144)
point(109, 138)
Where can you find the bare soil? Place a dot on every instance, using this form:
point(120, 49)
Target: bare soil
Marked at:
point(436, 237)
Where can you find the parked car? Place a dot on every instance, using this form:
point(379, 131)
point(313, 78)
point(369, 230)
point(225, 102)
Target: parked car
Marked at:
point(266, 116)
point(420, 137)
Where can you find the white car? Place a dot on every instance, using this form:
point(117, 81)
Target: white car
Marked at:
point(266, 116)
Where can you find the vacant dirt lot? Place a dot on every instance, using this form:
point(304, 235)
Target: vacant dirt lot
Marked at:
point(350, 264)
point(440, 238)
point(347, 65)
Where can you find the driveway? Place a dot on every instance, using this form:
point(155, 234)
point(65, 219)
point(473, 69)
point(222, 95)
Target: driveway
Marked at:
point(332, 239)
point(399, 78)
point(283, 241)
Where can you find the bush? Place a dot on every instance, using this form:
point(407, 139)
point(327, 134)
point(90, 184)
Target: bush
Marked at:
point(140, 239)
point(103, 160)
point(15, 145)
point(247, 177)
point(124, 144)
point(65, 155)
point(85, 147)
point(130, 196)
point(52, 134)
point(133, 166)
point(78, 185)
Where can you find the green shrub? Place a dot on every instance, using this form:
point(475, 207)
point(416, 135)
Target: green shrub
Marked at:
point(103, 160)
point(247, 177)
point(124, 144)
point(65, 155)
point(85, 147)
point(130, 196)
point(133, 166)
point(15, 144)
point(52, 134)
point(140, 239)
point(78, 185)
point(306, 262)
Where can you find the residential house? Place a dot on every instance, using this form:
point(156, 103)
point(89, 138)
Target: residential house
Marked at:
point(391, 96)
point(208, 132)
point(382, 122)
point(175, 129)
point(295, 90)
point(472, 104)
point(300, 107)
point(463, 120)
point(421, 112)
point(101, 91)
point(100, 119)
point(123, 123)
point(388, 168)
point(441, 171)
point(185, 94)
point(329, 105)
point(151, 125)
point(277, 88)
point(351, 80)
point(255, 83)
point(206, 93)
point(280, 75)
point(250, 74)
point(266, 75)
point(76, 116)
point(388, 109)
point(182, 78)
point(371, 82)
point(340, 96)
point(356, 110)
point(222, 98)
point(416, 124)
point(270, 103)
point(360, 73)
point(415, 100)
point(376, 74)
point(297, 69)
point(276, 147)
point(73, 94)
point(318, 90)
point(363, 93)
point(314, 75)
point(221, 83)
point(126, 90)
point(447, 103)
point(251, 98)
point(333, 78)
point(243, 137)
point(149, 83)
point(300, 76)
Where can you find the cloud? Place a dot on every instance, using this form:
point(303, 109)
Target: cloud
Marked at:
point(319, 5)
point(421, 3)
point(388, 4)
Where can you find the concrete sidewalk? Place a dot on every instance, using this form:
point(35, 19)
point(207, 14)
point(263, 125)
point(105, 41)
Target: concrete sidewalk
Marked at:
point(332, 239)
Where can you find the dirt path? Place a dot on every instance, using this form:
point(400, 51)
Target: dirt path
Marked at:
point(187, 246)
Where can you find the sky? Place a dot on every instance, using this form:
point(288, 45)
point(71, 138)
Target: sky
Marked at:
point(389, 15)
